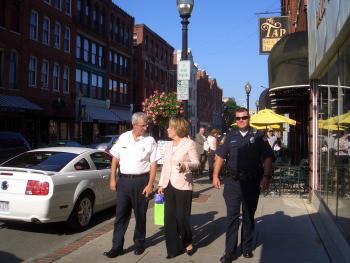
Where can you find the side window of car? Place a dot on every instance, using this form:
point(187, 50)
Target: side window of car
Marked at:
point(101, 160)
point(82, 165)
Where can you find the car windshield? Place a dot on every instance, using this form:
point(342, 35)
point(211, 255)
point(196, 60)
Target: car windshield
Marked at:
point(43, 160)
point(103, 139)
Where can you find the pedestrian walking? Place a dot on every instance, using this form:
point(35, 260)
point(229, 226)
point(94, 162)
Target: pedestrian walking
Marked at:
point(249, 159)
point(135, 154)
point(200, 140)
point(176, 183)
point(213, 142)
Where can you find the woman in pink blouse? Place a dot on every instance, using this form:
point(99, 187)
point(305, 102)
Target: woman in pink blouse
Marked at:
point(180, 159)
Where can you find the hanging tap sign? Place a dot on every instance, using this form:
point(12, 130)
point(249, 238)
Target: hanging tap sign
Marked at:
point(272, 29)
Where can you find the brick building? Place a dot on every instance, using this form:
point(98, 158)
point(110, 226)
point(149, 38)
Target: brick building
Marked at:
point(297, 14)
point(204, 110)
point(153, 64)
point(103, 68)
point(37, 69)
point(209, 101)
point(215, 104)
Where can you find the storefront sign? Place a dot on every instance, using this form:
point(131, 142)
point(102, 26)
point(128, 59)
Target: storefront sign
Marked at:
point(272, 29)
point(182, 89)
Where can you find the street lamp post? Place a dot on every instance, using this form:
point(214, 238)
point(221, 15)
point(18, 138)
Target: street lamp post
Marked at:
point(185, 8)
point(248, 89)
point(257, 105)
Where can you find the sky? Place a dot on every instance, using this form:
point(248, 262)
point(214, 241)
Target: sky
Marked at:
point(222, 35)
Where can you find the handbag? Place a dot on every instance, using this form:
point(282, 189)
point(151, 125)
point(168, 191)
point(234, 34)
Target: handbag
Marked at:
point(159, 209)
point(206, 146)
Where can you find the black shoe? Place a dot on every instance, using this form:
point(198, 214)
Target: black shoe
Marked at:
point(113, 253)
point(191, 251)
point(171, 256)
point(227, 258)
point(248, 254)
point(139, 250)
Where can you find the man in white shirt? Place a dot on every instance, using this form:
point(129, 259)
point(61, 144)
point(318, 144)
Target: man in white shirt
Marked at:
point(271, 138)
point(136, 156)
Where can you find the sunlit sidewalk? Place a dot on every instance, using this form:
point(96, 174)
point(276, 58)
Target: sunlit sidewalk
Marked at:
point(285, 233)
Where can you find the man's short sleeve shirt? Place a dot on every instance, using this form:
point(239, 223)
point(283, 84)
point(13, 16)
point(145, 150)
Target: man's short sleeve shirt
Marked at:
point(245, 153)
point(135, 156)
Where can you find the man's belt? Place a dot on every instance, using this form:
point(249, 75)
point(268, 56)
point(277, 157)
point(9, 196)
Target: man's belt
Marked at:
point(131, 176)
point(238, 175)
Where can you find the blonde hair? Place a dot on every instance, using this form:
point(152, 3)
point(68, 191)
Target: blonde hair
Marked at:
point(180, 125)
point(214, 131)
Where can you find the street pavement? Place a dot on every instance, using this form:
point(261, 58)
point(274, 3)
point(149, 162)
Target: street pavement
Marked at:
point(284, 233)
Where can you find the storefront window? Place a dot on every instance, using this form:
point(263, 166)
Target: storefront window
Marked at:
point(333, 140)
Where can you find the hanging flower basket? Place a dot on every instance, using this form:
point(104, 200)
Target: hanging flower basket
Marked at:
point(161, 106)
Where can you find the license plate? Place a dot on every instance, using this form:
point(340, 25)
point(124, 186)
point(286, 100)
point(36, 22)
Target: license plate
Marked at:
point(4, 206)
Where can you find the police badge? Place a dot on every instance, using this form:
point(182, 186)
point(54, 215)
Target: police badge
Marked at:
point(252, 139)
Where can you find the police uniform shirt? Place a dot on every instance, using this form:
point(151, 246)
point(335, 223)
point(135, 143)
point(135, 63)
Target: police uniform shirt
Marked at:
point(245, 153)
point(135, 156)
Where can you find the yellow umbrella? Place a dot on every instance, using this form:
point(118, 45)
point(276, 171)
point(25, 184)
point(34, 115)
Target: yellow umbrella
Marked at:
point(343, 118)
point(346, 118)
point(331, 127)
point(267, 116)
point(265, 127)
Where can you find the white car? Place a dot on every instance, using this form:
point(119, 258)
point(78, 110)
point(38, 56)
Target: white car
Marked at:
point(56, 184)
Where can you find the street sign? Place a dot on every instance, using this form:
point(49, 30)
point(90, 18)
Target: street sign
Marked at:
point(184, 70)
point(182, 87)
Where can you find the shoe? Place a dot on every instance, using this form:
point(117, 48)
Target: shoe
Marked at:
point(227, 258)
point(139, 250)
point(170, 256)
point(113, 253)
point(248, 254)
point(190, 252)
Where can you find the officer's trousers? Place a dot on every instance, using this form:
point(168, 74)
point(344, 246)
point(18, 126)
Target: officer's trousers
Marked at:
point(129, 196)
point(177, 226)
point(236, 193)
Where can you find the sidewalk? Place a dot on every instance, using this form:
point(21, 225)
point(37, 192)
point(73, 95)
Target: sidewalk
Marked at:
point(284, 233)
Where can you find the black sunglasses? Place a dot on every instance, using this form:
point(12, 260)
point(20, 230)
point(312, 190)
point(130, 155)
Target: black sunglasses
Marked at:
point(242, 118)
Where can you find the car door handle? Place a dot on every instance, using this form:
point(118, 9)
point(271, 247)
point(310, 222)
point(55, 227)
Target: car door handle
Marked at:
point(105, 176)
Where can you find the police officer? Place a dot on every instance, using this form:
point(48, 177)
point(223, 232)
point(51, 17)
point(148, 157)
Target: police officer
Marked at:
point(136, 156)
point(249, 159)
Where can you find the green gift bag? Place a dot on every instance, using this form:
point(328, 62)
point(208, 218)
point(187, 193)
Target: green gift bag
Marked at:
point(158, 210)
point(159, 214)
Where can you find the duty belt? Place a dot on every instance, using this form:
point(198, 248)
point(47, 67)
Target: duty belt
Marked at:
point(238, 175)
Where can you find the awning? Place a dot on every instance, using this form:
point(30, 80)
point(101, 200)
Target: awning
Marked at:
point(100, 114)
point(123, 115)
point(17, 103)
point(288, 61)
point(289, 72)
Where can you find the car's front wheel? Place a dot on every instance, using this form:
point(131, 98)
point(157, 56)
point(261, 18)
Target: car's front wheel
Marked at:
point(81, 215)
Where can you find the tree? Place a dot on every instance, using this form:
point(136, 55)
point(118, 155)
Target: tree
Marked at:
point(228, 113)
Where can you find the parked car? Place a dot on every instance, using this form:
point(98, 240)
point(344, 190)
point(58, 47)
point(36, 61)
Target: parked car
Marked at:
point(105, 142)
point(12, 144)
point(56, 184)
point(67, 143)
